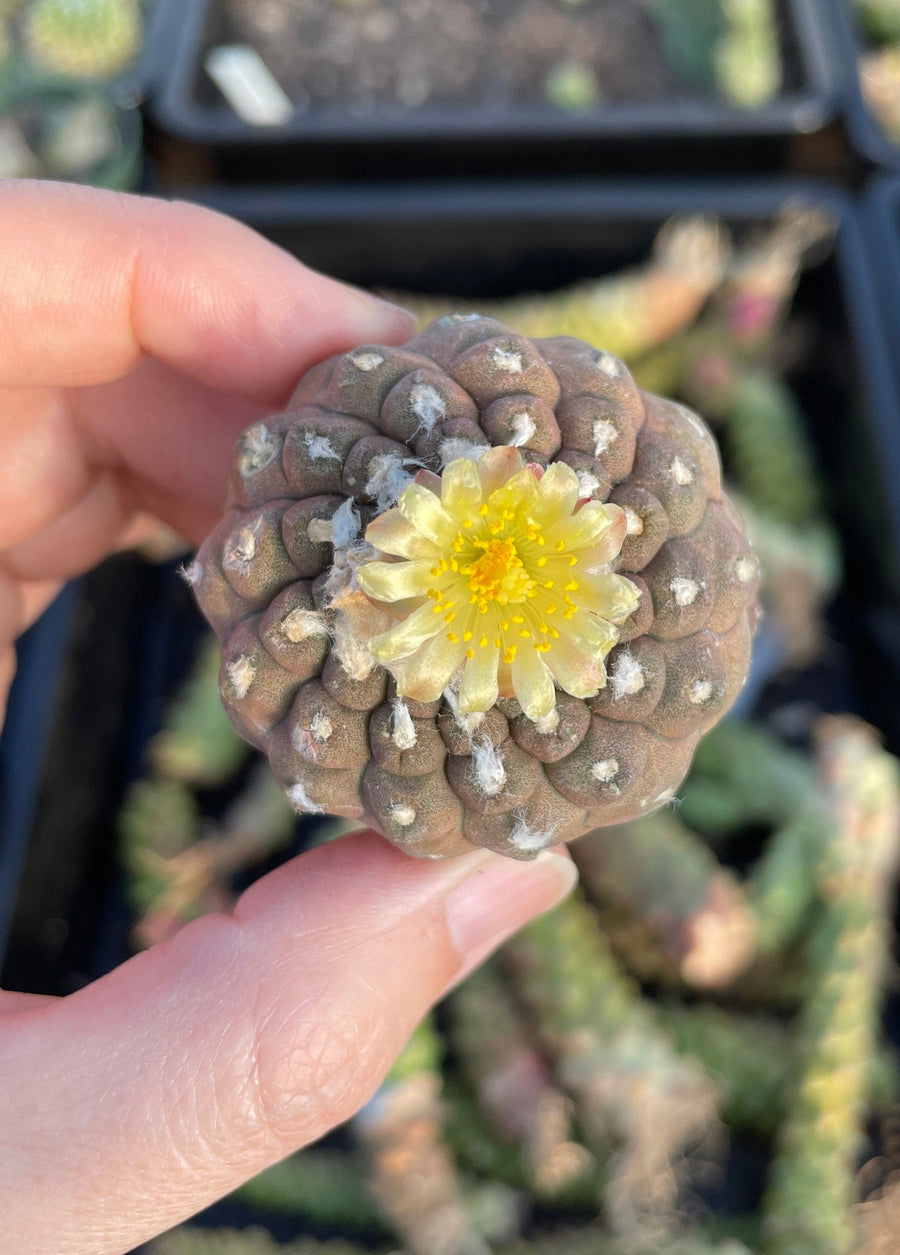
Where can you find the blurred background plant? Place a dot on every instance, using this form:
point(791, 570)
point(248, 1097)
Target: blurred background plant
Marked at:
point(879, 65)
point(704, 1014)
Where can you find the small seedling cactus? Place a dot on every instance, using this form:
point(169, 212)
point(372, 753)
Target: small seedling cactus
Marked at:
point(478, 590)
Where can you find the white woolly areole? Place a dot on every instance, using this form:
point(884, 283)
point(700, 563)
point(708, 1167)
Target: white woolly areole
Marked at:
point(321, 727)
point(345, 524)
point(356, 619)
point(320, 531)
point(366, 360)
point(258, 447)
point(301, 801)
point(388, 478)
point(193, 573)
point(403, 816)
point(626, 676)
point(298, 625)
point(700, 691)
point(487, 766)
point(745, 570)
point(469, 724)
point(239, 549)
point(458, 447)
point(241, 674)
point(320, 448)
point(588, 483)
point(427, 404)
point(523, 427)
point(526, 838)
point(609, 365)
point(605, 770)
point(403, 730)
point(681, 473)
point(605, 434)
point(463, 317)
point(634, 524)
point(547, 724)
point(684, 590)
point(507, 361)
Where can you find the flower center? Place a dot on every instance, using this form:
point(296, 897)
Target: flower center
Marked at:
point(498, 575)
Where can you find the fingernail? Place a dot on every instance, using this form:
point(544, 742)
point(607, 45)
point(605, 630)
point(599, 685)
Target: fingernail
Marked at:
point(387, 319)
point(499, 896)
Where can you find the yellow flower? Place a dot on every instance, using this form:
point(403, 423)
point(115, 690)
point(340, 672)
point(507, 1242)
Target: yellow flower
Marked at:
point(502, 575)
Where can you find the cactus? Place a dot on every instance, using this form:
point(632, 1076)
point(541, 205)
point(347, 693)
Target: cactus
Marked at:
point(197, 745)
point(187, 1240)
point(748, 58)
point(665, 874)
point(631, 1089)
point(325, 1187)
point(89, 39)
point(411, 1173)
point(630, 311)
point(513, 1086)
point(458, 696)
point(880, 19)
point(808, 1203)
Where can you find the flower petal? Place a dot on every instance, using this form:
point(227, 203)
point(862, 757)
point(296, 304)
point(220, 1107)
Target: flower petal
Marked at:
point(406, 637)
point(578, 675)
point(584, 528)
point(496, 466)
point(461, 488)
point(533, 684)
point(478, 690)
point(612, 597)
point(557, 492)
point(425, 674)
point(420, 507)
point(394, 581)
point(592, 636)
point(392, 533)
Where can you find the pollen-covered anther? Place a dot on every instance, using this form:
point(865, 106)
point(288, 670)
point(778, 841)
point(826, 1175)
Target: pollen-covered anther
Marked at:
point(502, 569)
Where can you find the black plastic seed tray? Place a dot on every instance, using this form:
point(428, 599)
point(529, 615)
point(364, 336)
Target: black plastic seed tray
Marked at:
point(496, 136)
point(848, 42)
point(882, 216)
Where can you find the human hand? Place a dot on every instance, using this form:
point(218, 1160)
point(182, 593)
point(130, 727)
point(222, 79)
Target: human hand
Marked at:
point(139, 338)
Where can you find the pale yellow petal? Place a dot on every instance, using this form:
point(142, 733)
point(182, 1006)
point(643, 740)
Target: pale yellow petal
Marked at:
point(478, 690)
point(592, 636)
point(420, 507)
point(584, 528)
point(496, 466)
point(461, 488)
point(518, 492)
point(392, 533)
point(557, 492)
point(395, 581)
point(425, 674)
point(578, 675)
point(533, 684)
point(613, 597)
point(406, 637)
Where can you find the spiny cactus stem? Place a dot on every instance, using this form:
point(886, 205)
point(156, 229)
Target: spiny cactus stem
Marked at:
point(808, 1202)
point(665, 874)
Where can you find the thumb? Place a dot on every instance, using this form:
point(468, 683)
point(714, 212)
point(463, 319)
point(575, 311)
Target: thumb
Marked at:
point(144, 1097)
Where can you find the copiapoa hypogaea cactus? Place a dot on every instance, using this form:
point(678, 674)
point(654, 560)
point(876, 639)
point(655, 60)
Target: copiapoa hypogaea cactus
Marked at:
point(478, 590)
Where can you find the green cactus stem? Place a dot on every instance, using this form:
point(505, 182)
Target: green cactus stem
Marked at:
point(635, 1096)
point(880, 19)
point(724, 792)
point(748, 58)
point(411, 1172)
point(514, 1087)
point(594, 1241)
point(197, 744)
point(658, 869)
point(628, 312)
point(188, 1240)
point(808, 1203)
point(90, 39)
point(324, 1186)
point(782, 885)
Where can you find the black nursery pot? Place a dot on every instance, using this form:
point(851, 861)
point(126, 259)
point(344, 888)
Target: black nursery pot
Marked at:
point(848, 43)
point(881, 210)
point(683, 131)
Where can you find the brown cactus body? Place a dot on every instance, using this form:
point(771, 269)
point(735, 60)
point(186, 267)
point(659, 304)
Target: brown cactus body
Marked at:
point(278, 580)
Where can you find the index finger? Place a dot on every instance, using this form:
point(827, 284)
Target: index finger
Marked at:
point(91, 281)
